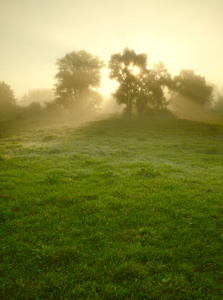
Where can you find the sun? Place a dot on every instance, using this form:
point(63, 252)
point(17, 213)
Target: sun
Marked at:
point(134, 69)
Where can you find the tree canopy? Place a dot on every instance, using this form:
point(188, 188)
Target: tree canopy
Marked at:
point(193, 87)
point(6, 94)
point(7, 99)
point(79, 72)
point(140, 88)
point(38, 95)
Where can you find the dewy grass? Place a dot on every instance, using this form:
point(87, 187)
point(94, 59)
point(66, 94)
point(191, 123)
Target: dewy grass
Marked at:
point(116, 209)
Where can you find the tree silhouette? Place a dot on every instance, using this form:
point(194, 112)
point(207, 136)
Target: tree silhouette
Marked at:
point(78, 74)
point(152, 87)
point(7, 100)
point(38, 95)
point(193, 87)
point(125, 69)
point(139, 88)
point(217, 107)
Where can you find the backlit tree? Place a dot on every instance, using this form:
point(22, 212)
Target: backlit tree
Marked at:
point(193, 87)
point(79, 73)
point(7, 100)
point(140, 88)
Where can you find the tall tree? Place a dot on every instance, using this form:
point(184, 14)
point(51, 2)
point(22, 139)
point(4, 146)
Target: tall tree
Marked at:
point(193, 87)
point(218, 102)
point(38, 95)
point(78, 73)
point(139, 88)
point(7, 99)
point(153, 83)
point(125, 68)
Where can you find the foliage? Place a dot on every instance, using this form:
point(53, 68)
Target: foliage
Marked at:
point(139, 88)
point(217, 105)
point(152, 89)
point(193, 87)
point(31, 110)
point(78, 75)
point(88, 102)
point(7, 100)
point(122, 70)
point(38, 95)
point(113, 209)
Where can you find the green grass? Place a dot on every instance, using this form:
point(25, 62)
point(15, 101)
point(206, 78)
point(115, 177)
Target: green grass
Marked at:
point(114, 209)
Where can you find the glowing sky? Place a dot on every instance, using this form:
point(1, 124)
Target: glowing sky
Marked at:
point(35, 33)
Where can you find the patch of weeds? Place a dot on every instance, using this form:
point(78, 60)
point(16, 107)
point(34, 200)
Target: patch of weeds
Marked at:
point(133, 165)
point(15, 142)
point(212, 128)
point(101, 132)
point(141, 139)
point(3, 134)
point(170, 169)
point(5, 213)
point(211, 151)
point(175, 146)
point(59, 256)
point(125, 273)
point(1, 158)
point(48, 138)
point(54, 151)
point(52, 178)
point(148, 171)
point(120, 152)
point(75, 156)
point(118, 195)
point(89, 162)
point(109, 174)
point(79, 175)
point(90, 197)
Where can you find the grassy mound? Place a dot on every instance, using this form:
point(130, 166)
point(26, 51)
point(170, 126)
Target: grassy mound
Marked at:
point(114, 209)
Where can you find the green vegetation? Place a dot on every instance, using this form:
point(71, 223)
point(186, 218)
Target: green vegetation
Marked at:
point(79, 73)
point(7, 100)
point(141, 90)
point(113, 209)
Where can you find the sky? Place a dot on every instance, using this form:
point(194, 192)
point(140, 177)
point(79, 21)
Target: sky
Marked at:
point(183, 34)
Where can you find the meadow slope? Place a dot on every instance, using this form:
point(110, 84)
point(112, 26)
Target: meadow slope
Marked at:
point(112, 209)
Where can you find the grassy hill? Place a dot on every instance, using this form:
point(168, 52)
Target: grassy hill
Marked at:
point(112, 209)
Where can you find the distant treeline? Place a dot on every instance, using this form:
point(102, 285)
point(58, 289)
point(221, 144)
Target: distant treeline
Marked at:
point(140, 90)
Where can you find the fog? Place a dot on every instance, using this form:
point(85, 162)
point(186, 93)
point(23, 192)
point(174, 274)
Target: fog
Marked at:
point(183, 34)
point(35, 34)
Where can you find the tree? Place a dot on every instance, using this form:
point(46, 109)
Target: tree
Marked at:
point(193, 87)
point(90, 101)
point(38, 95)
point(153, 85)
point(125, 68)
point(34, 109)
point(217, 107)
point(139, 88)
point(79, 72)
point(7, 100)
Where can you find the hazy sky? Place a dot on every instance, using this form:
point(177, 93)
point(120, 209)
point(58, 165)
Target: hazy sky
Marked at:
point(35, 33)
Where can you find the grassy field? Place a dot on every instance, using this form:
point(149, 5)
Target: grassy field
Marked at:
point(112, 209)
